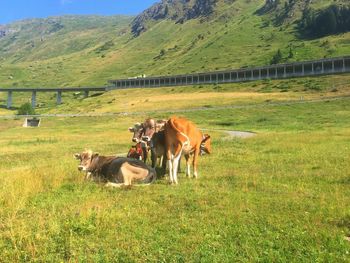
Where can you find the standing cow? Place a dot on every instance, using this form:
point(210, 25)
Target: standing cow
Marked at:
point(182, 136)
point(143, 133)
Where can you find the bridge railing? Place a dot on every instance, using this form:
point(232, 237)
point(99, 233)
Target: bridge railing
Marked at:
point(279, 71)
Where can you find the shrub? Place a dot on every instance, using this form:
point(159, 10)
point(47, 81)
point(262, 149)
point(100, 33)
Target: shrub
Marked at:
point(26, 109)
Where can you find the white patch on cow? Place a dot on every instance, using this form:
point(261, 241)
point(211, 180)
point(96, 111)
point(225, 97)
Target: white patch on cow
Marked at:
point(187, 142)
point(170, 165)
point(175, 166)
point(113, 185)
point(188, 171)
point(195, 174)
point(88, 175)
point(82, 168)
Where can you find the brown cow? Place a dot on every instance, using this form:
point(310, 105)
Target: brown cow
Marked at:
point(143, 133)
point(182, 136)
point(117, 171)
point(158, 149)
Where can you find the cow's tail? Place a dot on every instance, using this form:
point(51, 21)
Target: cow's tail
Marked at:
point(171, 121)
point(151, 177)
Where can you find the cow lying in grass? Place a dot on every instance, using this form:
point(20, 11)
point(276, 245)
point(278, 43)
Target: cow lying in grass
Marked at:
point(115, 171)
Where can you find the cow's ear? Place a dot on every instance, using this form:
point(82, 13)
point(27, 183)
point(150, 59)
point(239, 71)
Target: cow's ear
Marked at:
point(206, 137)
point(131, 129)
point(95, 155)
point(77, 156)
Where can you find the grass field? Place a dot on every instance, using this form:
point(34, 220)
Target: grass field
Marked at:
point(281, 196)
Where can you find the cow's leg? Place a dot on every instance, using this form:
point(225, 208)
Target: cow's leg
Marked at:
point(153, 158)
point(177, 158)
point(195, 162)
point(145, 154)
point(109, 184)
point(170, 164)
point(164, 163)
point(188, 166)
point(88, 176)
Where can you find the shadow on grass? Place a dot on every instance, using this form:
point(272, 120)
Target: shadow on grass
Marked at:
point(5, 107)
point(345, 181)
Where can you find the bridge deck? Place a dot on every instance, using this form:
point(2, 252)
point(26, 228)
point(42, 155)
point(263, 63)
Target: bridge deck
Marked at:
point(52, 89)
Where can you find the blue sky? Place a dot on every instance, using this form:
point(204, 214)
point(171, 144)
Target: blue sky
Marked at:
point(11, 10)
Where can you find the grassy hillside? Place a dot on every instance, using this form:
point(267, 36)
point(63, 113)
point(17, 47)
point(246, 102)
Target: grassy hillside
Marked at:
point(78, 51)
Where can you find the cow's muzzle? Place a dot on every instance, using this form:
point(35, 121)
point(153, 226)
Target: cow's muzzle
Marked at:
point(146, 138)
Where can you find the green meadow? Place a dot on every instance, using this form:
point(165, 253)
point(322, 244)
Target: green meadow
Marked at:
point(281, 196)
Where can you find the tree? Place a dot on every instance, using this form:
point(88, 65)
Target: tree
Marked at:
point(291, 54)
point(26, 109)
point(326, 23)
point(277, 58)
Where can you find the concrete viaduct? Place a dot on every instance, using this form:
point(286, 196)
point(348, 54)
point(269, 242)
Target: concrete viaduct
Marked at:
point(310, 68)
point(58, 91)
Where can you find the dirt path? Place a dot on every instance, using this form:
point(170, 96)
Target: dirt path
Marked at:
point(235, 134)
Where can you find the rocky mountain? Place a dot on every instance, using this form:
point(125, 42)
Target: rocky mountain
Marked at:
point(176, 10)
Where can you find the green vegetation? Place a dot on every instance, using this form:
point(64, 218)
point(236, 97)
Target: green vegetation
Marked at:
point(280, 196)
point(87, 51)
point(26, 109)
point(332, 20)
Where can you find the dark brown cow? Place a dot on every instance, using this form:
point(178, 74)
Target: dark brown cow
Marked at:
point(117, 171)
point(158, 149)
point(143, 133)
point(182, 136)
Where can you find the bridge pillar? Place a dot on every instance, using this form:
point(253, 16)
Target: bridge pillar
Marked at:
point(302, 69)
point(59, 97)
point(34, 99)
point(344, 65)
point(86, 94)
point(9, 99)
point(312, 68)
point(322, 67)
point(333, 68)
point(284, 71)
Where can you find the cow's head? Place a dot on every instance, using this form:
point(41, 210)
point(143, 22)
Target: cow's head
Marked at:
point(137, 130)
point(206, 144)
point(149, 128)
point(86, 158)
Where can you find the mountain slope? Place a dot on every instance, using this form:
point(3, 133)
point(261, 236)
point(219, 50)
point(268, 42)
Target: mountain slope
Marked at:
point(227, 34)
